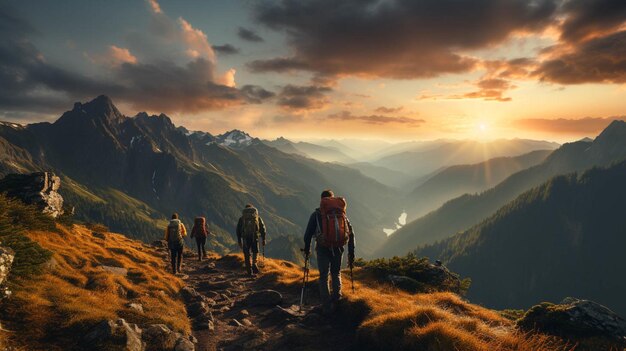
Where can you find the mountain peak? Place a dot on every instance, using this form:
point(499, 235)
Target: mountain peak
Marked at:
point(235, 138)
point(101, 107)
point(615, 130)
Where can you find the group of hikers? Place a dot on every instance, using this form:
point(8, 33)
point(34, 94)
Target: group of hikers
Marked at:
point(328, 224)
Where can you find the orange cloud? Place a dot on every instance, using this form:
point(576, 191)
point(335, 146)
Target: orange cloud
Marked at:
point(581, 126)
point(196, 41)
point(113, 57)
point(375, 119)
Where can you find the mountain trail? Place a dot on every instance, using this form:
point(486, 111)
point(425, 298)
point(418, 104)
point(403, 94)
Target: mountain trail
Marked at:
point(232, 311)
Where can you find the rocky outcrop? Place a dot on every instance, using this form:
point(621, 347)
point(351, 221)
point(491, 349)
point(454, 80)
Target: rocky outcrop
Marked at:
point(39, 189)
point(6, 260)
point(575, 318)
point(114, 335)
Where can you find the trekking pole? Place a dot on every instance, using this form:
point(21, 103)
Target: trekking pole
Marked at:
point(305, 277)
point(351, 276)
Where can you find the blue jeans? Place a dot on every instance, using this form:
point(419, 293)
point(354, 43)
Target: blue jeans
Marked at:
point(328, 259)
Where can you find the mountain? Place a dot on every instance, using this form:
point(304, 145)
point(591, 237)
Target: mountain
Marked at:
point(461, 179)
point(467, 210)
point(131, 173)
point(427, 157)
point(562, 238)
point(384, 175)
point(318, 152)
point(234, 138)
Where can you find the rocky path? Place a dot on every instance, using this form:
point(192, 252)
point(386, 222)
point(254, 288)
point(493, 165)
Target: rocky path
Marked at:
point(231, 311)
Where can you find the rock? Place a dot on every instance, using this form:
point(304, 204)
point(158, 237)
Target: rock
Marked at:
point(297, 335)
point(135, 306)
point(184, 344)
point(246, 322)
point(244, 313)
point(198, 308)
point(6, 261)
point(312, 319)
point(214, 285)
point(39, 189)
point(575, 318)
point(115, 270)
point(113, 335)
point(193, 339)
point(159, 337)
point(203, 322)
point(190, 294)
point(264, 298)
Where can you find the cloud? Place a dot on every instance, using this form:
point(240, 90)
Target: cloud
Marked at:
point(581, 126)
point(375, 119)
point(400, 39)
point(586, 19)
point(598, 60)
point(225, 49)
point(488, 89)
point(309, 97)
point(114, 56)
point(154, 6)
point(31, 84)
point(249, 35)
point(383, 109)
point(256, 94)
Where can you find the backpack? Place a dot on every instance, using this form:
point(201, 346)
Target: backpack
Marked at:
point(200, 229)
point(333, 231)
point(251, 227)
point(174, 235)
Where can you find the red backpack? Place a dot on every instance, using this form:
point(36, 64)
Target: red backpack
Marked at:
point(334, 226)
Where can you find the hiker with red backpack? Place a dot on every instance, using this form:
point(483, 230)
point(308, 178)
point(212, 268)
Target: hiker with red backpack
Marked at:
point(249, 229)
point(200, 232)
point(332, 230)
point(174, 234)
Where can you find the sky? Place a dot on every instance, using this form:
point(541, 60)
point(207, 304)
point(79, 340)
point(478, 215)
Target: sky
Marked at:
point(370, 69)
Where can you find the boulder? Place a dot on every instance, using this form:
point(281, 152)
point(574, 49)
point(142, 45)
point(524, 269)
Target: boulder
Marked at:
point(264, 298)
point(113, 335)
point(6, 260)
point(137, 307)
point(184, 344)
point(159, 337)
point(115, 270)
point(575, 318)
point(39, 189)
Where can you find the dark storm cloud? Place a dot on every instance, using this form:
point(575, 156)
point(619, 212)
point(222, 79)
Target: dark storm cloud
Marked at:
point(590, 17)
point(600, 60)
point(30, 83)
point(248, 35)
point(308, 97)
point(397, 38)
point(256, 94)
point(225, 49)
point(375, 119)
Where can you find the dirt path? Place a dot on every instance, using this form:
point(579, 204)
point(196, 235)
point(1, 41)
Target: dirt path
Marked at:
point(231, 311)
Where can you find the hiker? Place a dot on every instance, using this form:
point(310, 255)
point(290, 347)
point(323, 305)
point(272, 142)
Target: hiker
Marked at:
point(174, 234)
point(249, 228)
point(200, 232)
point(332, 231)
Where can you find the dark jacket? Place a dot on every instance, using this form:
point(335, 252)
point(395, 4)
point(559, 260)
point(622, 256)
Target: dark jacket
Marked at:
point(240, 229)
point(312, 229)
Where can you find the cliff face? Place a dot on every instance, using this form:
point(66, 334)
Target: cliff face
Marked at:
point(38, 189)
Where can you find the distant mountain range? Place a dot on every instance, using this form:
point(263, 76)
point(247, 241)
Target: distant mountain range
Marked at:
point(563, 238)
point(467, 210)
point(318, 152)
point(131, 173)
point(427, 157)
point(457, 180)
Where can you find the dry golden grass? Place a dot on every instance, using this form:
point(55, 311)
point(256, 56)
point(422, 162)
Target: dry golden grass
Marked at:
point(55, 307)
point(391, 319)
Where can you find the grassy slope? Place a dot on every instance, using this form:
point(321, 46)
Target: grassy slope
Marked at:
point(388, 319)
point(55, 301)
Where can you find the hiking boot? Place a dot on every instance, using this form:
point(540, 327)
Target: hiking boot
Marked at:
point(255, 269)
